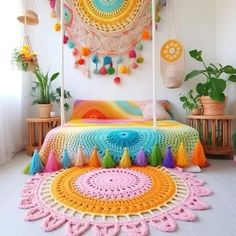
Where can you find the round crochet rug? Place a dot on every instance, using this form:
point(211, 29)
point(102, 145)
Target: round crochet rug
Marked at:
point(112, 200)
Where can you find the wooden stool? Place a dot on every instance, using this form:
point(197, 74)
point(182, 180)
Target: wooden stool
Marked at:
point(37, 130)
point(214, 132)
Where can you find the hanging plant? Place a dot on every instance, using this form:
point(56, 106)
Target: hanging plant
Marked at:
point(24, 58)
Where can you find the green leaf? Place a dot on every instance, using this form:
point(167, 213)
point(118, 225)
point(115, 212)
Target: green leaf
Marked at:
point(212, 70)
point(214, 95)
point(202, 89)
point(193, 74)
point(54, 76)
point(229, 70)
point(197, 55)
point(217, 85)
point(232, 78)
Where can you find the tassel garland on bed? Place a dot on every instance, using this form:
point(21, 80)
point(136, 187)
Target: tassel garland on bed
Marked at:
point(199, 157)
point(155, 158)
point(141, 159)
point(181, 159)
point(80, 159)
point(94, 160)
point(65, 162)
point(36, 165)
point(108, 161)
point(125, 161)
point(52, 163)
point(168, 161)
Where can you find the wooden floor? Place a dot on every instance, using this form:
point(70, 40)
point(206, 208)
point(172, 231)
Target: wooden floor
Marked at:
point(220, 220)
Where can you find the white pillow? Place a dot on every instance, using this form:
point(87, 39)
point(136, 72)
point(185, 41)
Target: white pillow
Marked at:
point(146, 108)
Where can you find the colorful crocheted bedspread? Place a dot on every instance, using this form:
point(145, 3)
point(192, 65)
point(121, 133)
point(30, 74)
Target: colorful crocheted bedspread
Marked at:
point(115, 135)
point(116, 109)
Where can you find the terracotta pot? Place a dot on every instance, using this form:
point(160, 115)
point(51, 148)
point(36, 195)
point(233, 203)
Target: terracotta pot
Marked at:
point(44, 110)
point(196, 111)
point(211, 107)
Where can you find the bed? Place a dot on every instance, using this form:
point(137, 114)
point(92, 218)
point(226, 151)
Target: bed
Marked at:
point(115, 125)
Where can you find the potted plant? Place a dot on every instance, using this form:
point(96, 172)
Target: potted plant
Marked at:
point(43, 94)
point(24, 58)
point(211, 91)
point(191, 103)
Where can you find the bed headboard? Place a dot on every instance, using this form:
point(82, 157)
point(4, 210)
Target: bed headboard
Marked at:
point(110, 109)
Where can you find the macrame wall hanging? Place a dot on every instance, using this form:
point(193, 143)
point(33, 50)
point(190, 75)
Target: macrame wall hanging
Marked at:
point(24, 57)
point(172, 52)
point(106, 37)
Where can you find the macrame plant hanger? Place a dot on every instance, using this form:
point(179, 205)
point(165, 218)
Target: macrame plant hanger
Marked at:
point(28, 16)
point(172, 51)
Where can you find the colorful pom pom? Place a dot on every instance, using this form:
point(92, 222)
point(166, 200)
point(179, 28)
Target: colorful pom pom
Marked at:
point(81, 61)
point(70, 44)
point(53, 14)
point(146, 35)
point(134, 65)
point(108, 161)
point(65, 39)
point(52, 163)
point(107, 60)
point(65, 161)
point(155, 158)
point(110, 70)
point(75, 52)
point(117, 80)
point(140, 60)
point(85, 51)
point(125, 161)
point(94, 160)
point(181, 159)
point(141, 159)
point(168, 161)
point(80, 159)
point(132, 53)
point(199, 157)
point(139, 46)
point(36, 165)
point(123, 69)
point(103, 70)
point(95, 59)
point(57, 27)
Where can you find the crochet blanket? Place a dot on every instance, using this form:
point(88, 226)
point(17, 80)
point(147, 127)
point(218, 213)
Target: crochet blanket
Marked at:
point(115, 135)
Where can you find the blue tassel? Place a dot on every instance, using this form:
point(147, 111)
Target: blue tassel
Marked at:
point(65, 162)
point(36, 165)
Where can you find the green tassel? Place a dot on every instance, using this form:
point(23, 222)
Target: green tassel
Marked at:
point(155, 158)
point(27, 168)
point(107, 161)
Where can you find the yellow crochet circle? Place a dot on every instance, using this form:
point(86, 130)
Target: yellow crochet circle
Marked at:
point(161, 191)
point(172, 50)
point(105, 18)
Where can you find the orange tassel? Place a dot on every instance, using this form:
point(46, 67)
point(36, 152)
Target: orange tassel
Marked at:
point(181, 157)
point(94, 160)
point(199, 157)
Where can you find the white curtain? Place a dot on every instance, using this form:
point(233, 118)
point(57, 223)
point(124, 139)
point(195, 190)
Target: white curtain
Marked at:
point(11, 94)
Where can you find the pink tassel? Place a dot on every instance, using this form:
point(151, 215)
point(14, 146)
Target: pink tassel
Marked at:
point(52, 163)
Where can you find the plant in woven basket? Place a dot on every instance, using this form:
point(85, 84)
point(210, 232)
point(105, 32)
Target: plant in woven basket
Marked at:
point(42, 91)
point(24, 58)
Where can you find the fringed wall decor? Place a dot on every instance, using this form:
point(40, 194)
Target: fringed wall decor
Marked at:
point(106, 36)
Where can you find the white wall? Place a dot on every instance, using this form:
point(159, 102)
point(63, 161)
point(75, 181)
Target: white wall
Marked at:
point(197, 30)
point(226, 43)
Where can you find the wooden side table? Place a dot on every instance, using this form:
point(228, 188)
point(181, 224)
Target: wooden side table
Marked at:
point(214, 131)
point(37, 130)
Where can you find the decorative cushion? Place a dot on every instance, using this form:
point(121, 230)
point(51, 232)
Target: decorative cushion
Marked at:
point(147, 110)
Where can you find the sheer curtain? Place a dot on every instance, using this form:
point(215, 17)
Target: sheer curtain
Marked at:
point(11, 94)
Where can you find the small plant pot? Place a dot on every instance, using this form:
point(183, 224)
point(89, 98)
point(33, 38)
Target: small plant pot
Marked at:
point(211, 107)
point(30, 67)
point(196, 111)
point(44, 110)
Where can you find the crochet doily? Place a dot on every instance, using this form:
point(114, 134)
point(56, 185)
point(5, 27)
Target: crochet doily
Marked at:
point(110, 200)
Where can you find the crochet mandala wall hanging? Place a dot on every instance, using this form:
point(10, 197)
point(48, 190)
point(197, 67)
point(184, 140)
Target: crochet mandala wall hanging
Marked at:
point(106, 37)
point(108, 201)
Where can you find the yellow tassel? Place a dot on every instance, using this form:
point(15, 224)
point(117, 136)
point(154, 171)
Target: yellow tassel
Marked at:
point(199, 157)
point(125, 161)
point(94, 160)
point(181, 157)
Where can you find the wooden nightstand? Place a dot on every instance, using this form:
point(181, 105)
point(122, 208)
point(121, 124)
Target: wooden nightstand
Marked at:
point(215, 132)
point(37, 130)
